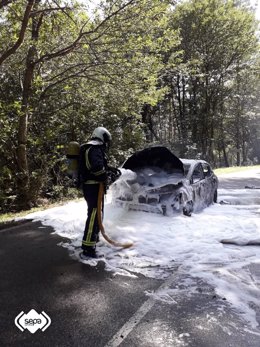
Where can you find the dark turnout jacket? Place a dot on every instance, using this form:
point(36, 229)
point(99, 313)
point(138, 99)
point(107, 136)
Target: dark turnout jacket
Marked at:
point(93, 163)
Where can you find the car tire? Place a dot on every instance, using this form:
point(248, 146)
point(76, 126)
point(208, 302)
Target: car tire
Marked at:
point(215, 197)
point(188, 209)
point(164, 210)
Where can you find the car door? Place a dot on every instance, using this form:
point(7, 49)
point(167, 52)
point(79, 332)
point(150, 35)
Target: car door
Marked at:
point(198, 181)
point(210, 183)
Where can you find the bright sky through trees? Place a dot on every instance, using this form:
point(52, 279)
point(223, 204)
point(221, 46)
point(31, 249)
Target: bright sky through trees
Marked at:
point(256, 3)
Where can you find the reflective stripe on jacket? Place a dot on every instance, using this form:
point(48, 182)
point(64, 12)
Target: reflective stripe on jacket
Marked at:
point(96, 164)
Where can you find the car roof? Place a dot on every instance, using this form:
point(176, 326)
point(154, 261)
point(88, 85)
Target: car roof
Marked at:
point(193, 162)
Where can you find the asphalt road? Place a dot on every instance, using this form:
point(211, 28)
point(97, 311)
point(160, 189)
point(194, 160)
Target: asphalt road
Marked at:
point(91, 307)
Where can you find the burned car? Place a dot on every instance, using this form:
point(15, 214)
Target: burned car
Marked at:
point(155, 180)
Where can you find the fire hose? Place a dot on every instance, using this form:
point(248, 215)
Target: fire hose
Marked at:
point(101, 227)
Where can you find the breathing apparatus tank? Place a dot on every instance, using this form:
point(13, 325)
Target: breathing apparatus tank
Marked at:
point(72, 159)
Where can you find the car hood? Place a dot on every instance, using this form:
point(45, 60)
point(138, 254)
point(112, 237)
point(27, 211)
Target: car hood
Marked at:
point(157, 158)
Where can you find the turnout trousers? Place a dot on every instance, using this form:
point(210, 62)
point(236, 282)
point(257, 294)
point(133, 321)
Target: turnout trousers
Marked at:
point(91, 231)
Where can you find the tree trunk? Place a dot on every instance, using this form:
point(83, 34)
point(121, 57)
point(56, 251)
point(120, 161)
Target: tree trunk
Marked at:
point(225, 154)
point(23, 180)
point(147, 119)
point(22, 161)
point(182, 136)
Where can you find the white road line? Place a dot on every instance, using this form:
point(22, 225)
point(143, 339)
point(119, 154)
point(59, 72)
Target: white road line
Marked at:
point(126, 329)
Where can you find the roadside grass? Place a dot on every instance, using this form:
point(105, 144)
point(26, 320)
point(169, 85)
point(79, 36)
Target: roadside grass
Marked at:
point(5, 217)
point(225, 170)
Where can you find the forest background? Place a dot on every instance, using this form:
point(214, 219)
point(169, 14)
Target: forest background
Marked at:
point(184, 74)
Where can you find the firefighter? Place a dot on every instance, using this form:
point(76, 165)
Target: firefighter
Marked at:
point(93, 170)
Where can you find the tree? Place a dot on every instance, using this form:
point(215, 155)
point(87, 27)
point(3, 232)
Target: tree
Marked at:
point(216, 37)
point(21, 33)
point(112, 51)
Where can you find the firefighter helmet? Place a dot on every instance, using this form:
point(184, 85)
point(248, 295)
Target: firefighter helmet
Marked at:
point(102, 134)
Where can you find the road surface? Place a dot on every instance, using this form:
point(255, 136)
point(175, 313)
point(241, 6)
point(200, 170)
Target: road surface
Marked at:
point(89, 306)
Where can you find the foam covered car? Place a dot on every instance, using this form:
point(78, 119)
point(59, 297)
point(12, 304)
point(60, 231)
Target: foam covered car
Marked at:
point(155, 180)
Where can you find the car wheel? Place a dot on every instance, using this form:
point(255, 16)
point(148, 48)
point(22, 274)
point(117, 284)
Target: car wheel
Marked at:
point(164, 210)
point(215, 198)
point(188, 209)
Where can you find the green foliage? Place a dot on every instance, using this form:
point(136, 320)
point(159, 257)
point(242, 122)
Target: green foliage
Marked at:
point(93, 71)
point(211, 85)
